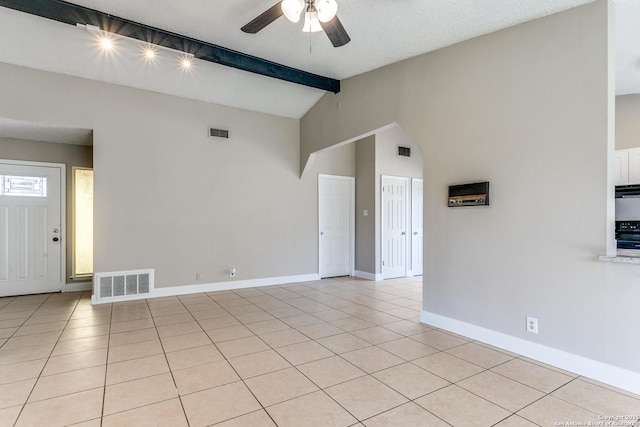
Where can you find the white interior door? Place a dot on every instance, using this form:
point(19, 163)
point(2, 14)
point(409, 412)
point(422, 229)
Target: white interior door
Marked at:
point(417, 255)
point(30, 228)
point(394, 227)
point(336, 225)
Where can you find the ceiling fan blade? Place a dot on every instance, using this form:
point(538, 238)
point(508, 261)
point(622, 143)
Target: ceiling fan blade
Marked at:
point(264, 19)
point(336, 32)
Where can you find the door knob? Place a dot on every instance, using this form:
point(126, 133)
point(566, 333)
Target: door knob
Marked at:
point(55, 239)
point(403, 233)
point(415, 233)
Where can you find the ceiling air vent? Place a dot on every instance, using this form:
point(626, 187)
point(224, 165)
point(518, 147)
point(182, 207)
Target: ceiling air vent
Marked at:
point(218, 133)
point(404, 151)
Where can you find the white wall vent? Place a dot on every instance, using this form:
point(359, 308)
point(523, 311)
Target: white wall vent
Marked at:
point(218, 133)
point(123, 285)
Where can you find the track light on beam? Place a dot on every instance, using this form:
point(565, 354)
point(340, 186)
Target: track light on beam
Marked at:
point(149, 49)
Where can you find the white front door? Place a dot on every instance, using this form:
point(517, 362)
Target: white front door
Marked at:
point(30, 228)
point(417, 255)
point(394, 227)
point(336, 225)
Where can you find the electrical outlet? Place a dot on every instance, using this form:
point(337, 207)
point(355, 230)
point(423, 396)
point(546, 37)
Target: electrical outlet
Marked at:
point(198, 276)
point(232, 272)
point(532, 325)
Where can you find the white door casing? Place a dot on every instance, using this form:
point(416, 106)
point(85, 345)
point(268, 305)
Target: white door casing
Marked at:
point(394, 227)
point(417, 228)
point(336, 223)
point(31, 234)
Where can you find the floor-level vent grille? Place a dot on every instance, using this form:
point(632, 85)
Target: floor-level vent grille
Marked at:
point(122, 284)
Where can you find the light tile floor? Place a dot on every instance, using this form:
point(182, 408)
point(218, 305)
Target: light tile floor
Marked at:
point(338, 352)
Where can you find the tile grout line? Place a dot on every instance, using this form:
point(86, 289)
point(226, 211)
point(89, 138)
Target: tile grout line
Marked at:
point(106, 365)
point(323, 389)
point(164, 353)
point(221, 353)
point(25, 320)
point(50, 353)
point(374, 378)
point(333, 302)
point(366, 374)
point(234, 369)
point(301, 373)
point(41, 370)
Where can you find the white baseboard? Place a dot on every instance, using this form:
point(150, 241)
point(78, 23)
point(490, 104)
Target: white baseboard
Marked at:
point(78, 287)
point(599, 371)
point(211, 287)
point(367, 275)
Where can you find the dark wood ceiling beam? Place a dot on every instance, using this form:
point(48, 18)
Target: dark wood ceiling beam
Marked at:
point(73, 14)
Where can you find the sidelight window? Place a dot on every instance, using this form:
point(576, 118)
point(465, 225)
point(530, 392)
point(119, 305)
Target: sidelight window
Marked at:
point(82, 222)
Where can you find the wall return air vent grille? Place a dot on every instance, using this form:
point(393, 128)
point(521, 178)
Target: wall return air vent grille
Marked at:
point(404, 151)
point(124, 285)
point(218, 133)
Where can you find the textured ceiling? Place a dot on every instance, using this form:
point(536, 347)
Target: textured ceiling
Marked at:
point(382, 32)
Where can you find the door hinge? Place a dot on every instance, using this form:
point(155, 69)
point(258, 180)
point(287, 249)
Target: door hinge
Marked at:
point(383, 263)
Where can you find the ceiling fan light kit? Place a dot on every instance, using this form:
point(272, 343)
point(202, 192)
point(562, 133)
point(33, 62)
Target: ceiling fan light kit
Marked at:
point(292, 9)
point(311, 23)
point(319, 15)
point(327, 9)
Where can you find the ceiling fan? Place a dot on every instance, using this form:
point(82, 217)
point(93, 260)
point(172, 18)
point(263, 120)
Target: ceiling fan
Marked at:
point(318, 15)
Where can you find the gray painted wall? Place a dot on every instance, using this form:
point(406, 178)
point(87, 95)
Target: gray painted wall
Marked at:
point(627, 121)
point(366, 199)
point(529, 109)
point(389, 163)
point(70, 155)
point(336, 161)
point(376, 155)
point(169, 198)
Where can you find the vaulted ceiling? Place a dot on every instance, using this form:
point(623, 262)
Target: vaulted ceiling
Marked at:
point(382, 32)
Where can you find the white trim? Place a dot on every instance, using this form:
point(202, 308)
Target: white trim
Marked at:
point(599, 371)
point(211, 287)
point(411, 230)
point(63, 209)
point(407, 222)
point(352, 219)
point(32, 163)
point(367, 275)
point(78, 287)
